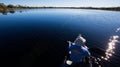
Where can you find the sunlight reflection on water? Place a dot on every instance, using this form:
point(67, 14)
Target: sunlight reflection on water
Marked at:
point(118, 29)
point(111, 45)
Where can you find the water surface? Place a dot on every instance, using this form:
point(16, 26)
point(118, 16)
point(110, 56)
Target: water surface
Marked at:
point(32, 37)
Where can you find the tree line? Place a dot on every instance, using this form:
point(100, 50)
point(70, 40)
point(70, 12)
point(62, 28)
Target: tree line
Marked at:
point(4, 8)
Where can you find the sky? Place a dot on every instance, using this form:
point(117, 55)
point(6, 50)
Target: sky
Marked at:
point(62, 3)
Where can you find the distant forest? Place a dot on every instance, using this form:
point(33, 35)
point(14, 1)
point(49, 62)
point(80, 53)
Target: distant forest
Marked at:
point(4, 8)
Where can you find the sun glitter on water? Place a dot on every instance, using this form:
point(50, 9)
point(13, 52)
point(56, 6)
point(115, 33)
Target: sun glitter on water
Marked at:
point(111, 45)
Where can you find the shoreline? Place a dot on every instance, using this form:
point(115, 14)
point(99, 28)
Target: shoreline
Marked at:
point(3, 10)
point(102, 8)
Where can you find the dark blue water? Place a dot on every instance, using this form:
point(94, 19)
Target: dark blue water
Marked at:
point(36, 37)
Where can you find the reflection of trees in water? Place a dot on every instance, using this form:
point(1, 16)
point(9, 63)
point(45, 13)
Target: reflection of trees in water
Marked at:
point(6, 12)
point(12, 11)
point(20, 11)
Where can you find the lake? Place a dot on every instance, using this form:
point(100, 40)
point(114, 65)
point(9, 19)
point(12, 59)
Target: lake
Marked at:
point(36, 37)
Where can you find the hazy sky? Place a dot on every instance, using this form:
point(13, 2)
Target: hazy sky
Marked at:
point(81, 3)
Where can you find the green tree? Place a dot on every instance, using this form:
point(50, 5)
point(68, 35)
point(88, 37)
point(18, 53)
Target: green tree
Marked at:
point(2, 5)
point(3, 8)
point(10, 6)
